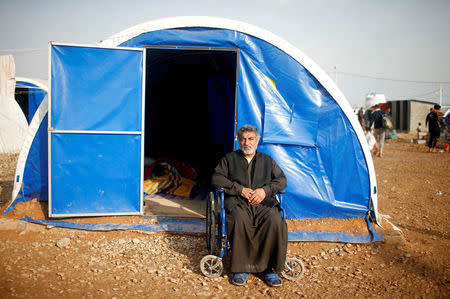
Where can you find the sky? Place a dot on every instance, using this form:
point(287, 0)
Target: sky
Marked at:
point(399, 48)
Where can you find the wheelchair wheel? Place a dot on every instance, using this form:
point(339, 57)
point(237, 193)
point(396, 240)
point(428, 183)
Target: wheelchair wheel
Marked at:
point(211, 266)
point(211, 224)
point(293, 268)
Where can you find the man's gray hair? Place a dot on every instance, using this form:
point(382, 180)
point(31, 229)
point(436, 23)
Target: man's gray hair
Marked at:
point(248, 128)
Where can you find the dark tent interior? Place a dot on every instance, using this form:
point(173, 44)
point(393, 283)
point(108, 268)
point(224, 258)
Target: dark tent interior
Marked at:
point(190, 106)
point(21, 95)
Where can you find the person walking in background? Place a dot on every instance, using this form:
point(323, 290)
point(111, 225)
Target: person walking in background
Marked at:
point(379, 130)
point(361, 117)
point(388, 117)
point(427, 119)
point(368, 118)
point(434, 128)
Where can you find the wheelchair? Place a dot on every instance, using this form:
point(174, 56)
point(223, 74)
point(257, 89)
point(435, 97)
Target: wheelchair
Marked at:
point(211, 265)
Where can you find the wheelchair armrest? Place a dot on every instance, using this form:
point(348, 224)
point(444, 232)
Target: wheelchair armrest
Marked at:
point(221, 190)
point(280, 199)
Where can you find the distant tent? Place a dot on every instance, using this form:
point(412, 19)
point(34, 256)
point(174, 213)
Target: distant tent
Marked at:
point(184, 86)
point(13, 125)
point(20, 97)
point(373, 99)
point(29, 94)
point(13, 122)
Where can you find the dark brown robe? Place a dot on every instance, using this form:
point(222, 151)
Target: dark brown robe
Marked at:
point(257, 233)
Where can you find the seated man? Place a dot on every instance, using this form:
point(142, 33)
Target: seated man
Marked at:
point(257, 232)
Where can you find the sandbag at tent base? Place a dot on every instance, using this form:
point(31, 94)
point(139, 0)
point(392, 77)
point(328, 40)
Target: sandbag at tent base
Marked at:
point(197, 225)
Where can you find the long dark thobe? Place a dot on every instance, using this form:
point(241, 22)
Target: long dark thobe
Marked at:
point(257, 233)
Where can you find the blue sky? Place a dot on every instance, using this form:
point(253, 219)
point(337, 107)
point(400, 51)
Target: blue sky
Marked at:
point(396, 47)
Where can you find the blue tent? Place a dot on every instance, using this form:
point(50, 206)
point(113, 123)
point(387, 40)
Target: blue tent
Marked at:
point(184, 86)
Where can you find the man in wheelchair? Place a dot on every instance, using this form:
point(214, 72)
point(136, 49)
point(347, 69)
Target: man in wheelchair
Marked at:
point(257, 232)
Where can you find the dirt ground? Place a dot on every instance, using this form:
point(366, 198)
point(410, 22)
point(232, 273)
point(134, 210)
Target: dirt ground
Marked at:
point(414, 191)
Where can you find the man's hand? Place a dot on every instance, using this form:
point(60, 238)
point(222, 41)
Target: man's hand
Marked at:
point(246, 193)
point(257, 196)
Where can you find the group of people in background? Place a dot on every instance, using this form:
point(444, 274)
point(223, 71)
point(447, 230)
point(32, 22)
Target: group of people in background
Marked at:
point(380, 122)
point(377, 124)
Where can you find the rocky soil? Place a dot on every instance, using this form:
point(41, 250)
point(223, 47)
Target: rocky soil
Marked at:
point(414, 190)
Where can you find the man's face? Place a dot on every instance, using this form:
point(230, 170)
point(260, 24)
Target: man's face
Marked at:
point(248, 142)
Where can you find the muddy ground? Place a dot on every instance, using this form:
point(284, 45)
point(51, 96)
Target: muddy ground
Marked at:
point(414, 191)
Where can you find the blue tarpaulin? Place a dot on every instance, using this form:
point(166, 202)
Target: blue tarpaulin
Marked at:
point(197, 225)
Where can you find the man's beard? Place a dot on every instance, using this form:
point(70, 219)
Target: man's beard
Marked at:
point(249, 150)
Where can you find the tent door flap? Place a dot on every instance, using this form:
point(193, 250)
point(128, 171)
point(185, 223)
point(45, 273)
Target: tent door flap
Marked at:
point(95, 131)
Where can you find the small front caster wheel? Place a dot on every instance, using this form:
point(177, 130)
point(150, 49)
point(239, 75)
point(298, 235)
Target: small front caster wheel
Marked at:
point(211, 266)
point(293, 268)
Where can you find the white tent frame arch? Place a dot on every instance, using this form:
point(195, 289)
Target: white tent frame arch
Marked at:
point(42, 84)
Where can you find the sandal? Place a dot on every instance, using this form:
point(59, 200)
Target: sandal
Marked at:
point(272, 279)
point(239, 278)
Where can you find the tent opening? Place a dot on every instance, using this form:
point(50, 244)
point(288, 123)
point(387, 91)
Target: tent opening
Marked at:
point(189, 115)
point(21, 95)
